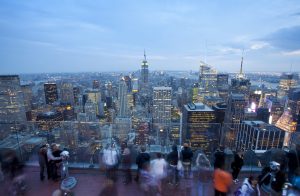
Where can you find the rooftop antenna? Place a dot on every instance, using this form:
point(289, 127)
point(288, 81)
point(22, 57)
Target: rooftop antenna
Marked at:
point(291, 66)
point(241, 69)
point(205, 53)
point(145, 55)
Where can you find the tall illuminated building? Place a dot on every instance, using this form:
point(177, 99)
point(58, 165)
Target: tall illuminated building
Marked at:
point(288, 123)
point(207, 81)
point(122, 99)
point(235, 113)
point(67, 93)
point(12, 110)
point(95, 96)
point(222, 85)
point(51, 94)
point(90, 109)
point(199, 128)
point(76, 94)
point(144, 79)
point(240, 84)
point(258, 136)
point(162, 98)
point(128, 82)
point(287, 81)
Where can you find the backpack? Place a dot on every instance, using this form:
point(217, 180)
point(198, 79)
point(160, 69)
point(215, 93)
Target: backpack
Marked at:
point(238, 192)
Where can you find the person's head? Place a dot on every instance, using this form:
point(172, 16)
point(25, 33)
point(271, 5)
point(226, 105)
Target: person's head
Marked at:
point(174, 147)
point(158, 155)
point(143, 149)
point(185, 145)
point(54, 147)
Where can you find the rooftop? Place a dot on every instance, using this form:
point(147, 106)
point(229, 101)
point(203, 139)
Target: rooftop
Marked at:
point(197, 107)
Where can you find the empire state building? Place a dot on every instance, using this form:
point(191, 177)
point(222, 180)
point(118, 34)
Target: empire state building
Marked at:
point(144, 74)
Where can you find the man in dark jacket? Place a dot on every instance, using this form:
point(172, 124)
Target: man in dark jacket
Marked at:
point(237, 165)
point(141, 160)
point(43, 162)
point(187, 156)
point(172, 159)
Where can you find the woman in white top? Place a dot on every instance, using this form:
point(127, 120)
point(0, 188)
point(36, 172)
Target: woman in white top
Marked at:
point(158, 169)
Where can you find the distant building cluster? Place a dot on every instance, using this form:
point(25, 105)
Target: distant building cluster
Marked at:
point(85, 111)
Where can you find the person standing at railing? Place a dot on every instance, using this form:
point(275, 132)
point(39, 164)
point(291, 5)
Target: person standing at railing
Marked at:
point(53, 160)
point(159, 168)
point(126, 162)
point(237, 165)
point(187, 156)
point(141, 159)
point(219, 157)
point(172, 159)
point(43, 162)
point(110, 159)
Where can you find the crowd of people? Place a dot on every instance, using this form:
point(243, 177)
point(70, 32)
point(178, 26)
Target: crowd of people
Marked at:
point(157, 170)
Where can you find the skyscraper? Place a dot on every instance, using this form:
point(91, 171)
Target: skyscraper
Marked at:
point(51, 94)
point(240, 84)
point(199, 128)
point(96, 84)
point(27, 94)
point(222, 85)
point(122, 99)
point(144, 74)
point(162, 97)
point(95, 96)
point(12, 109)
point(287, 82)
point(90, 110)
point(207, 81)
point(67, 93)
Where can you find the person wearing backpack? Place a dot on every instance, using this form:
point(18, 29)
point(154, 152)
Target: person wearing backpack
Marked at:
point(248, 188)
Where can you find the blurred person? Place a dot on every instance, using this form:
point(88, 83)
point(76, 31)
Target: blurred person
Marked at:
point(43, 162)
point(248, 188)
point(110, 159)
point(142, 158)
point(222, 181)
point(148, 184)
point(57, 192)
point(237, 165)
point(126, 161)
point(204, 173)
point(53, 160)
point(219, 158)
point(293, 162)
point(172, 159)
point(159, 168)
point(272, 179)
point(10, 165)
point(187, 156)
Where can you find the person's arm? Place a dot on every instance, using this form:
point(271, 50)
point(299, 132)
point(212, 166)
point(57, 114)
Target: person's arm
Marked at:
point(244, 188)
point(51, 157)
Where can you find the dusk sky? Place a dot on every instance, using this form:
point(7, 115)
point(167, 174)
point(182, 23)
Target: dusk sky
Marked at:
point(88, 35)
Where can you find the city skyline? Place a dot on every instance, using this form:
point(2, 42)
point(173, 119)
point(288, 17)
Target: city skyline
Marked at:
point(39, 37)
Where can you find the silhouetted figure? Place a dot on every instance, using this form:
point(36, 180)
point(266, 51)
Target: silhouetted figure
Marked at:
point(43, 162)
point(172, 159)
point(187, 156)
point(53, 155)
point(126, 162)
point(141, 159)
point(237, 165)
point(293, 162)
point(219, 158)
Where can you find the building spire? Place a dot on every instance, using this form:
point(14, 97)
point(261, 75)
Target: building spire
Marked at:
point(241, 69)
point(145, 59)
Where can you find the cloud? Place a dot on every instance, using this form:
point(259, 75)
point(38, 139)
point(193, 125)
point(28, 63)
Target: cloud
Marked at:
point(258, 45)
point(286, 39)
point(292, 53)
